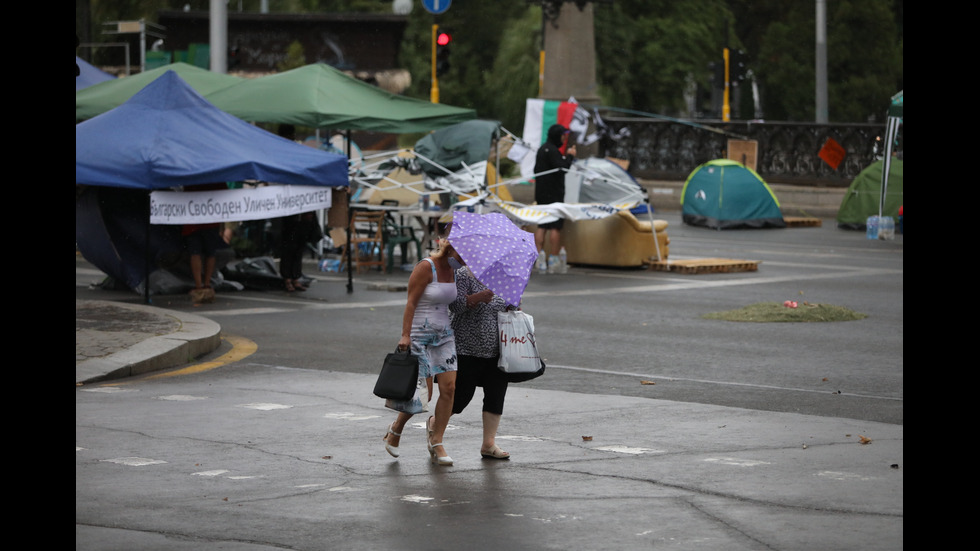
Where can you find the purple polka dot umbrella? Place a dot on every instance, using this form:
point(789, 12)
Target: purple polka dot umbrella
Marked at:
point(499, 253)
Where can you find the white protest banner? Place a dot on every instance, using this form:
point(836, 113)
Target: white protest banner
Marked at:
point(235, 205)
point(542, 214)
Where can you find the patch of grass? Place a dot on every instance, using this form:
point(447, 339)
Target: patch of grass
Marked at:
point(768, 312)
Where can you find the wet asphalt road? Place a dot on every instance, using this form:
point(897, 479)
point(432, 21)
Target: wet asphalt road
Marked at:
point(750, 436)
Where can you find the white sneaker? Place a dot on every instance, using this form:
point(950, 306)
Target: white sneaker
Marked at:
point(542, 262)
point(554, 264)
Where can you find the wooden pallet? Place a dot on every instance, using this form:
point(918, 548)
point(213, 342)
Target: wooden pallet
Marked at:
point(802, 222)
point(705, 265)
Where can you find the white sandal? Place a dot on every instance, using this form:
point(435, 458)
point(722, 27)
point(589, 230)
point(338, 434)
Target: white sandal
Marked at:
point(495, 453)
point(444, 461)
point(392, 450)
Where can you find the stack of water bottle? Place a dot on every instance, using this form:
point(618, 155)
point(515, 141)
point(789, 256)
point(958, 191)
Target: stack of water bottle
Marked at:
point(553, 264)
point(880, 227)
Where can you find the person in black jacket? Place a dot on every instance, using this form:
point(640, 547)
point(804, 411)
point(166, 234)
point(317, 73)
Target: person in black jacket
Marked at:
point(550, 188)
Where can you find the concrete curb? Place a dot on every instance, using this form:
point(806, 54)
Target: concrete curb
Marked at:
point(195, 337)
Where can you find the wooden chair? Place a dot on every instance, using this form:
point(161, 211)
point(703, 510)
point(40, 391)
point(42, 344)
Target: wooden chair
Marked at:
point(367, 239)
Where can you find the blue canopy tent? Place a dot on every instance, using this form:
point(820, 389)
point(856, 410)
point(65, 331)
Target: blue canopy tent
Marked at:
point(168, 136)
point(89, 74)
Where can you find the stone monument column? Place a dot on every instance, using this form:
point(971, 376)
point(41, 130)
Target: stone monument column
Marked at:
point(569, 45)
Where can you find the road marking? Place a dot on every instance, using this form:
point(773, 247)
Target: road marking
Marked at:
point(108, 389)
point(265, 407)
point(133, 461)
point(350, 416)
point(735, 461)
point(417, 499)
point(211, 473)
point(180, 398)
point(629, 450)
point(842, 476)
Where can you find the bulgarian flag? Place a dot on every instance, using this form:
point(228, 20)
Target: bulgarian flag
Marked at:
point(539, 115)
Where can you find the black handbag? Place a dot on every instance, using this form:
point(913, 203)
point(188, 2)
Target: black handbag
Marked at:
point(399, 376)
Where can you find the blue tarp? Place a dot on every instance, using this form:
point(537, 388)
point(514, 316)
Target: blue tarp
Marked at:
point(168, 135)
point(164, 136)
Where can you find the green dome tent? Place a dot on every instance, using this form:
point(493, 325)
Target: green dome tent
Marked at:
point(725, 194)
point(863, 197)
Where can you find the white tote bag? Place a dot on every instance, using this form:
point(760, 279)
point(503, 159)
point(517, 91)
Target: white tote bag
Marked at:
point(518, 352)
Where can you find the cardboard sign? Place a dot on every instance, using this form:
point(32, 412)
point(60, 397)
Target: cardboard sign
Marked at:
point(832, 153)
point(744, 151)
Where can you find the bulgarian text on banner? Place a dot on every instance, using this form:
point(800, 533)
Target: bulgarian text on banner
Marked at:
point(235, 205)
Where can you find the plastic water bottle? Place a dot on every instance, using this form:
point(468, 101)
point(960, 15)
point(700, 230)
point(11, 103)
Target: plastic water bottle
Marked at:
point(872, 225)
point(886, 228)
point(563, 258)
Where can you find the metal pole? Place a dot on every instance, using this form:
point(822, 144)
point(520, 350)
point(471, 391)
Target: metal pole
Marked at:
point(142, 46)
point(434, 93)
point(350, 273)
point(653, 228)
point(726, 109)
point(146, 254)
point(541, 56)
point(821, 69)
point(219, 36)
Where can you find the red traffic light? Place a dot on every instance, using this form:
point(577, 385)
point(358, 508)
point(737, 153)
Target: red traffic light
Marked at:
point(444, 39)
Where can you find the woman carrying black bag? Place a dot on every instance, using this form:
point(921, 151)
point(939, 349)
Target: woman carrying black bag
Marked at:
point(426, 332)
point(474, 322)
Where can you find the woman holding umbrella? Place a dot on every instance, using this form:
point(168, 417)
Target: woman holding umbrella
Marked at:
point(426, 332)
point(499, 257)
point(474, 322)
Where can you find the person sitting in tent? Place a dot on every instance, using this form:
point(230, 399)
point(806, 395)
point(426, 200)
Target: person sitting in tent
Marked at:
point(550, 188)
point(202, 242)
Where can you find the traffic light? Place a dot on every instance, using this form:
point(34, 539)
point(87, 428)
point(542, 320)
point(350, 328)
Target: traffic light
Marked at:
point(717, 69)
point(443, 40)
point(738, 66)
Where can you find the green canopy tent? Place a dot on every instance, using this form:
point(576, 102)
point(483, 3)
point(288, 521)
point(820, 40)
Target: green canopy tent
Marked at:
point(99, 98)
point(319, 96)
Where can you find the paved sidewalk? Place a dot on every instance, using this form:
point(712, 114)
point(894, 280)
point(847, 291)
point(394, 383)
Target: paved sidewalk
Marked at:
point(116, 339)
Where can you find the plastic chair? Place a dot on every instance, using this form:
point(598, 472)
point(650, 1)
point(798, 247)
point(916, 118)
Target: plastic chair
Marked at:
point(367, 239)
point(401, 235)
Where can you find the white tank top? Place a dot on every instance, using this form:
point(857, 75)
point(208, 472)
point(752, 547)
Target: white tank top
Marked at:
point(433, 306)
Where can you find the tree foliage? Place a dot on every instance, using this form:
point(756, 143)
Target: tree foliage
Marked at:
point(651, 55)
point(647, 52)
